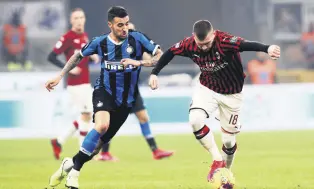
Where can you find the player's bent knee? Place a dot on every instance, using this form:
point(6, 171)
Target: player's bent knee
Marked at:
point(142, 116)
point(228, 140)
point(86, 116)
point(102, 120)
point(102, 128)
point(143, 119)
point(197, 118)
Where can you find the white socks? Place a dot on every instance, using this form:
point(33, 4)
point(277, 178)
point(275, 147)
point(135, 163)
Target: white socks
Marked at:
point(229, 148)
point(83, 128)
point(70, 132)
point(203, 134)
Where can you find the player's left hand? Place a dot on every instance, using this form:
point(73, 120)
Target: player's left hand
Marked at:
point(274, 51)
point(153, 82)
point(128, 61)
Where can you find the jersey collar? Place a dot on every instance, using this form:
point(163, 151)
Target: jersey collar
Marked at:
point(114, 41)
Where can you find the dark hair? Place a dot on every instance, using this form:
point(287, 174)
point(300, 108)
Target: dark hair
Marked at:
point(76, 9)
point(116, 11)
point(201, 29)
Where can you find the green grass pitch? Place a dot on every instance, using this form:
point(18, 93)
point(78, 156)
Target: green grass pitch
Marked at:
point(276, 160)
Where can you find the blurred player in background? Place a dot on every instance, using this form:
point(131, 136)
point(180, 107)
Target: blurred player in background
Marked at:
point(115, 90)
point(15, 43)
point(78, 82)
point(262, 70)
point(217, 54)
point(142, 116)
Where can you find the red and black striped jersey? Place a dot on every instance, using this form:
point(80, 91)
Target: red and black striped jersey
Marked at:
point(221, 66)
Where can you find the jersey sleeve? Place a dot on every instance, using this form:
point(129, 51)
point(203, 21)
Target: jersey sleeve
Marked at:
point(149, 45)
point(179, 48)
point(90, 48)
point(62, 45)
point(230, 42)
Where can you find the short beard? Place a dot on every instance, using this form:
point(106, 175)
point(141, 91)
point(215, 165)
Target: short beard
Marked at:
point(121, 39)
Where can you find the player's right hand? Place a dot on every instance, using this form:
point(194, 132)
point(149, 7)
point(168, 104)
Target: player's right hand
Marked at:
point(76, 71)
point(52, 83)
point(153, 82)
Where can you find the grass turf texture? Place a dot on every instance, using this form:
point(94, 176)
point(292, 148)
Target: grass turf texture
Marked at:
point(264, 160)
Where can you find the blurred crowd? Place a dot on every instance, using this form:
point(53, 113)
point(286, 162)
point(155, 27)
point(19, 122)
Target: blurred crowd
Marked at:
point(290, 24)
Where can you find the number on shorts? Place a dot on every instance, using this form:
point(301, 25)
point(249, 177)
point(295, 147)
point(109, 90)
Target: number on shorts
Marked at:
point(233, 119)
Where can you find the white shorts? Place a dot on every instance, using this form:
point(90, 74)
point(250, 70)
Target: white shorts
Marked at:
point(229, 106)
point(81, 97)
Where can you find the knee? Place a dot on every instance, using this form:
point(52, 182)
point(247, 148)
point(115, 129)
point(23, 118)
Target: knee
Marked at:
point(102, 127)
point(228, 140)
point(197, 119)
point(86, 116)
point(143, 119)
point(142, 116)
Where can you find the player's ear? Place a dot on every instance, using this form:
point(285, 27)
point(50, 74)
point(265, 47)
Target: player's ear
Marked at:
point(109, 24)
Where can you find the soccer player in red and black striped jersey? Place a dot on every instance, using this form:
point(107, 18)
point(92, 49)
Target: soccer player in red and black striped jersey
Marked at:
point(217, 54)
point(78, 81)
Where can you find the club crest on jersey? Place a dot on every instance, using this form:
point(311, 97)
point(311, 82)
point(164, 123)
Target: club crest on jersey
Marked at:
point(218, 55)
point(99, 104)
point(234, 39)
point(129, 49)
point(58, 44)
point(177, 45)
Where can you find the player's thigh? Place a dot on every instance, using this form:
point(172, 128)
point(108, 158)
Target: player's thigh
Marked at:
point(102, 121)
point(103, 104)
point(84, 98)
point(138, 104)
point(80, 99)
point(204, 99)
point(74, 97)
point(230, 113)
point(87, 99)
point(117, 118)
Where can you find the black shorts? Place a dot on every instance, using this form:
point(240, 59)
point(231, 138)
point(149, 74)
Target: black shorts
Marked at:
point(103, 101)
point(138, 104)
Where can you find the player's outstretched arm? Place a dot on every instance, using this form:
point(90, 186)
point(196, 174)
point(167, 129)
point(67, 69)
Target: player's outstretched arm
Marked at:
point(272, 50)
point(163, 61)
point(72, 62)
point(149, 62)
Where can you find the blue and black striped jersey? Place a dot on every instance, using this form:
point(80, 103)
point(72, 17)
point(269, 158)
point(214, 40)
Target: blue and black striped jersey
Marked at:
point(119, 81)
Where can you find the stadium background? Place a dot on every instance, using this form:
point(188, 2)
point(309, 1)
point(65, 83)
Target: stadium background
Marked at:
point(32, 115)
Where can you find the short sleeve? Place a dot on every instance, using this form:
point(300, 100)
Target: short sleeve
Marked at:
point(149, 45)
point(230, 42)
point(179, 48)
point(62, 45)
point(90, 48)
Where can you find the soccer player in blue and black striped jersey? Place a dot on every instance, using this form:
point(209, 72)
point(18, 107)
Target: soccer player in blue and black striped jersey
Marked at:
point(114, 93)
point(139, 110)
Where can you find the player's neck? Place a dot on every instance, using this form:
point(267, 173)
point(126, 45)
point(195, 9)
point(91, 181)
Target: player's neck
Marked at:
point(77, 30)
point(114, 39)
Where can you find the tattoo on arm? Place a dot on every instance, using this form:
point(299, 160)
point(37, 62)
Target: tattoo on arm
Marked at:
point(72, 62)
point(153, 61)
